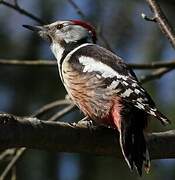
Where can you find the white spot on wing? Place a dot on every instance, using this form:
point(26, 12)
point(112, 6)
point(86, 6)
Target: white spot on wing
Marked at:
point(153, 109)
point(152, 113)
point(140, 99)
point(92, 65)
point(127, 93)
point(125, 83)
point(140, 106)
point(134, 84)
point(137, 91)
point(113, 85)
point(164, 120)
point(142, 89)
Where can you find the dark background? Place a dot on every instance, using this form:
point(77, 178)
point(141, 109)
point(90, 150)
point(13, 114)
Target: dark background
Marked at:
point(25, 89)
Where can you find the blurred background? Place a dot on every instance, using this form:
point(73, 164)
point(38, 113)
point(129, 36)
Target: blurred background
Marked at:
point(23, 90)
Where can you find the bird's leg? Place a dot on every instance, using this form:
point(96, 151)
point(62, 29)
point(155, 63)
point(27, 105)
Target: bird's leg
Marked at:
point(87, 122)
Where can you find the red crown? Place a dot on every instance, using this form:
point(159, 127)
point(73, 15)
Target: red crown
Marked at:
point(88, 26)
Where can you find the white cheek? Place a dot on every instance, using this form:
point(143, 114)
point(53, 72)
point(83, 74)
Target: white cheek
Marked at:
point(57, 50)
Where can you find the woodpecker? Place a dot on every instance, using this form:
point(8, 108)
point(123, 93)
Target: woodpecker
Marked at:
point(103, 86)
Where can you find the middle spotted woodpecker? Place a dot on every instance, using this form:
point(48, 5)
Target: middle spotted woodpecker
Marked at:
point(103, 86)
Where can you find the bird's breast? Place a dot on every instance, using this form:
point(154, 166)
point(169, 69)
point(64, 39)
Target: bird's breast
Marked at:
point(87, 91)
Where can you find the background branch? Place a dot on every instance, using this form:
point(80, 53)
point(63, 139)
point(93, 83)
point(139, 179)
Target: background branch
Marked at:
point(15, 62)
point(17, 8)
point(77, 8)
point(52, 63)
point(162, 21)
point(50, 106)
point(155, 75)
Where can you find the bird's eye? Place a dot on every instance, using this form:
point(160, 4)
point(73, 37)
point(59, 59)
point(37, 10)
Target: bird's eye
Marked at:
point(59, 26)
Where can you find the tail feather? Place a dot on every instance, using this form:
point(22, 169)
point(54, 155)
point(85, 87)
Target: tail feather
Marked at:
point(132, 140)
point(147, 162)
point(126, 149)
point(141, 155)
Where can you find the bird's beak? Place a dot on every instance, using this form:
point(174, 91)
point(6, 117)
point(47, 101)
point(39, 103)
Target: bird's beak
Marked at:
point(42, 31)
point(34, 28)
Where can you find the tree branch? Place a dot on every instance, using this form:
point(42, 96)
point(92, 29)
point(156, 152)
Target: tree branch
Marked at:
point(50, 106)
point(77, 9)
point(153, 65)
point(58, 136)
point(17, 8)
point(162, 21)
point(12, 163)
point(38, 113)
point(52, 63)
point(155, 75)
point(38, 63)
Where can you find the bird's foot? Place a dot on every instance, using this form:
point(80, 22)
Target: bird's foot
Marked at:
point(87, 122)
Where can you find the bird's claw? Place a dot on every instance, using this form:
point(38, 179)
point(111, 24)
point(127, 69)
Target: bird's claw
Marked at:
point(87, 122)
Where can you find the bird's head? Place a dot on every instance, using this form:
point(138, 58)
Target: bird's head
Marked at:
point(65, 32)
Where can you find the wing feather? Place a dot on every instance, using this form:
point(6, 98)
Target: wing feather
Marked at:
point(117, 76)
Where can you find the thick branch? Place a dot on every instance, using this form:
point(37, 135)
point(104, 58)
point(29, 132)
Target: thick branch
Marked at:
point(162, 21)
point(64, 137)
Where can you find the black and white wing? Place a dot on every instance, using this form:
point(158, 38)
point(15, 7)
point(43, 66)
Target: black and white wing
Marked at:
point(116, 75)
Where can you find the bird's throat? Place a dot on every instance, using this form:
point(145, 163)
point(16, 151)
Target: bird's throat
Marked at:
point(58, 51)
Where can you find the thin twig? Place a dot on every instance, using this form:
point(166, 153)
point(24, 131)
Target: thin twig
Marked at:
point(152, 19)
point(6, 153)
point(49, 106)
point(13, 176)
point(162, 21)
point(77, 8)
point(17, 8)
point(155, 75)
point(61, 113)
point(48, 63)
point(12, 163)
point(154, 65)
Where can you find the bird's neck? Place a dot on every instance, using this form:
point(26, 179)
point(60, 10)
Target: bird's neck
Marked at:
point(60, 50)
